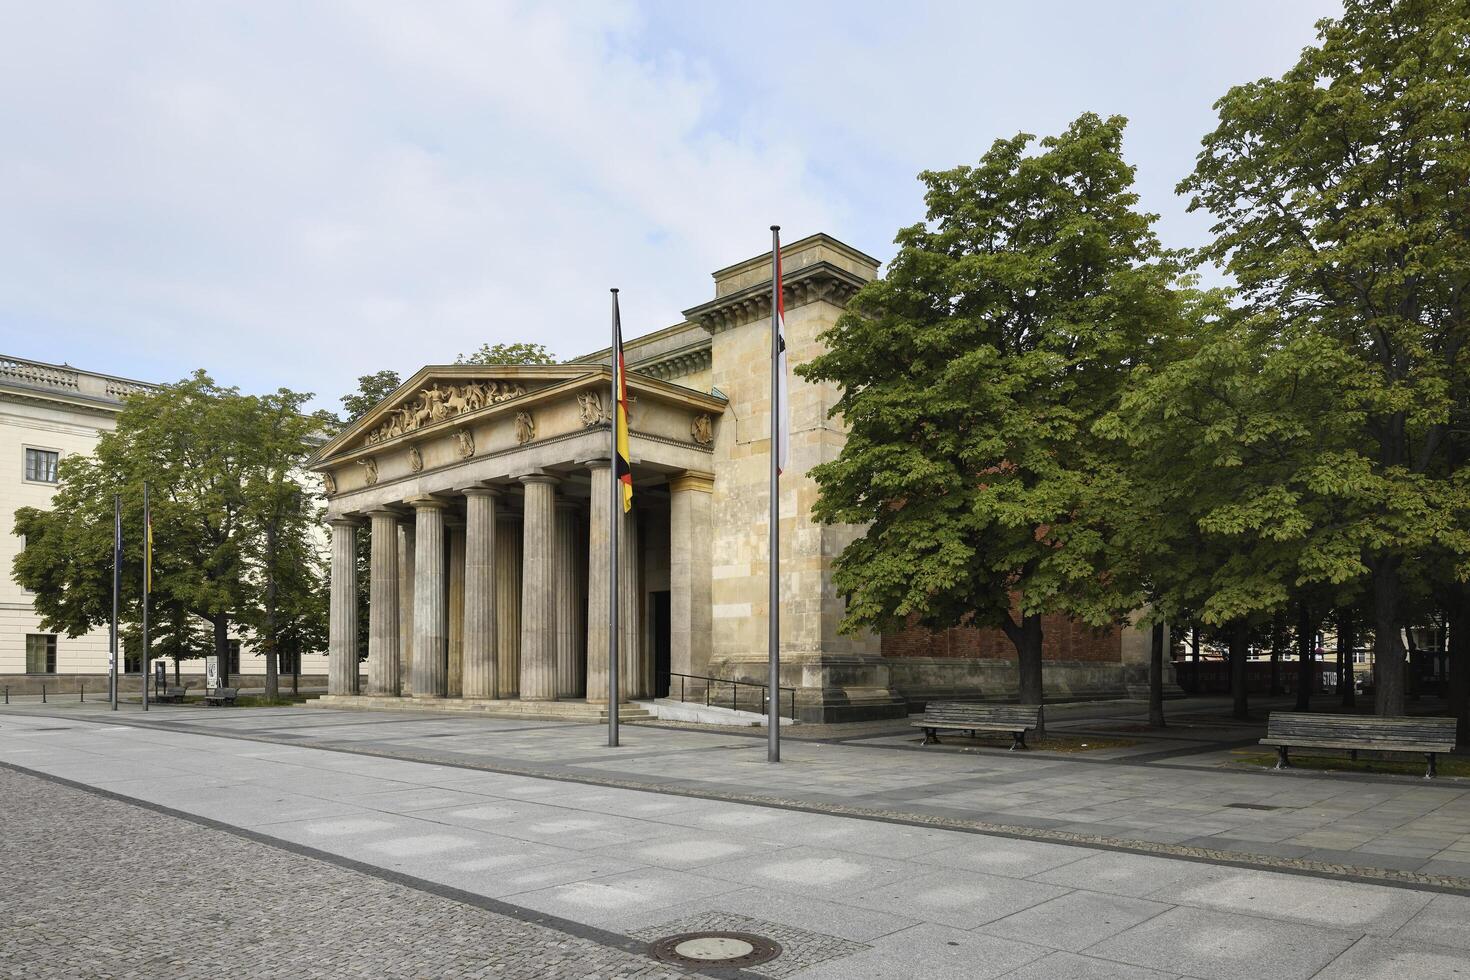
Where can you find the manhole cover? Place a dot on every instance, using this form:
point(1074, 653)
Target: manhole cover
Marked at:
point(732, 949)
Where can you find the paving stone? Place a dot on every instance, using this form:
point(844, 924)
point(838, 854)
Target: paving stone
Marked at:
point(1075, 921)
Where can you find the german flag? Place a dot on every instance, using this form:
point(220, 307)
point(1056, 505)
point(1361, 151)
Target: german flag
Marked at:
point(622, 461)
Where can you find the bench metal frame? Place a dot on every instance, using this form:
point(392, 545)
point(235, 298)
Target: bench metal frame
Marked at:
point(1363, 741)
point(1016, 728)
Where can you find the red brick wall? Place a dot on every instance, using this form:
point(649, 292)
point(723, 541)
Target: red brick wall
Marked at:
point(1062, 639)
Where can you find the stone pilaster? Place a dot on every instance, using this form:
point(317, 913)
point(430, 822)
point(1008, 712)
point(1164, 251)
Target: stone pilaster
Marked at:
point(597, 581)
point(454, 680)
point(430, 601)
point(633, 681)
point(571, 604)
point(508, 604)
point(690, 602)
point(481, 669)
point(538, 584)
point(342, 624)
point(383, 605)
point(405, 606)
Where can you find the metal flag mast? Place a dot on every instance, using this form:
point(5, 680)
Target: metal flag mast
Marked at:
point(773, 695)
point(147, 585)
point(614, 517)
point(116, 589)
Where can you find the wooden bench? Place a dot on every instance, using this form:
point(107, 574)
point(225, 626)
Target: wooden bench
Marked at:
point(1353, 733)
point(174, 695)
point(221, 695)
point(1013, 719)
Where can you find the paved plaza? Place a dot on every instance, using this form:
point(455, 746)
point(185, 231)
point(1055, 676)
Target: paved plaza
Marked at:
point(307, 842)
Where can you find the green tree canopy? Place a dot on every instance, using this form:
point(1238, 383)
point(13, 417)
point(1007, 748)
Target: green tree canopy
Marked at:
point(1340, 197)
point(508, 354)
point(371, 389)
point(972, 375)
point(221, 469)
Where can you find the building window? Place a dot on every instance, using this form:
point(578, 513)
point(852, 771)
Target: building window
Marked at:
point(234, 667)
point(40, 653)
point(41, 465)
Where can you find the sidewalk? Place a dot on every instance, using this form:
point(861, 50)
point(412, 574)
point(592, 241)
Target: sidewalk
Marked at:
point(1178, 794)
point(615, 868)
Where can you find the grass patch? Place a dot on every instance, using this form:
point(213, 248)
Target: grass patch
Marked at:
point(1398, 765)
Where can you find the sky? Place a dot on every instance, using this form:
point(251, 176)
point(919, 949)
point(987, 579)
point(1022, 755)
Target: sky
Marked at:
point(293, 194)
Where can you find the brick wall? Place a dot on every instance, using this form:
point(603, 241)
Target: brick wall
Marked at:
point(1062, 639)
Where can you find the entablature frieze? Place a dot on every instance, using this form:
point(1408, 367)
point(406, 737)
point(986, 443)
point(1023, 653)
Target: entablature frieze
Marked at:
point(818, 282)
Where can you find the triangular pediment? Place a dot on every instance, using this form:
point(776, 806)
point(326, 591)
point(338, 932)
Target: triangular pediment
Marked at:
point(447, 393)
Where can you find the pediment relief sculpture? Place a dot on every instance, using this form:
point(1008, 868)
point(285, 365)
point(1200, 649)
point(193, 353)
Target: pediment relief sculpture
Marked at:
point(415, 459)
point(329, 483)
point(464, 443)
point(590, 403)
point(525, 427)
point(702, 430)
point(439, 402)
point(370, 466)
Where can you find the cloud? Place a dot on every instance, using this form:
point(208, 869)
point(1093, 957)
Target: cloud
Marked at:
point(297, 195)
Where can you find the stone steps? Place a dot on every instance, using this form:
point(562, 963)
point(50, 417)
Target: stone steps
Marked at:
point(574, 711)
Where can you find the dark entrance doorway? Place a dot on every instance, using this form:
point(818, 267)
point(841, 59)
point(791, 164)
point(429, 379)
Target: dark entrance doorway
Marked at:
point(662, 643)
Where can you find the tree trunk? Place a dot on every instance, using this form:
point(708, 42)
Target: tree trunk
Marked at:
point(1156, 677)
point(1196, 643)
point(1458, 615)
point(1278, 640)
point(1240, 636)
point(1347, 639)
point(1306, 661)
point(178, 682)
point(1026, 638)
point(222, 648)
point(1388, 653)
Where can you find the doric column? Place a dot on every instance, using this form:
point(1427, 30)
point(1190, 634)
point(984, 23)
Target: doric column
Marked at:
point(508, 604)
point(571, 605)
point(430, 601)
point(342, 624)
point(633, 680)
point(538, 584)
point(405, 605)
point(481, 671)
point(597, 583)
point(453, 682)
point(690, 608)
point(383, 605)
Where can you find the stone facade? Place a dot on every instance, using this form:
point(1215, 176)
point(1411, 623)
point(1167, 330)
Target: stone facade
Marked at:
point(514, 611)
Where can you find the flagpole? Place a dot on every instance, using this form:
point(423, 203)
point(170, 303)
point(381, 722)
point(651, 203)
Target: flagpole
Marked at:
point(147, 585)
point(614, 517)
point(773, 696)
point(116, 589)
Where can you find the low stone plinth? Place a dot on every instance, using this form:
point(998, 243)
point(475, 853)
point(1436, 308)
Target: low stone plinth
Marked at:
point(576, 711)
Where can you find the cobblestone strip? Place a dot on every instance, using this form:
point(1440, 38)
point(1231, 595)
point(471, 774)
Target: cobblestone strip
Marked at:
point(94, 887)
point(1385, 876)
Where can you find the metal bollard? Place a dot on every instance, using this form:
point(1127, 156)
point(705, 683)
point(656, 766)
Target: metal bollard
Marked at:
point(7, 693)
point(81, 691)
point(43, 693)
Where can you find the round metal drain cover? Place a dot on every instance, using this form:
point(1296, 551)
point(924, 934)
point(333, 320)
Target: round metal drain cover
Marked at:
point(733, 949)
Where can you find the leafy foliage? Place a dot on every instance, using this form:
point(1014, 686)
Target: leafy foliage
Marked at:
point(508, 354)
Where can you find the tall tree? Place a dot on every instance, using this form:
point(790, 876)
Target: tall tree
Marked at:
point(371, 389)
point(1339, 192)
point(971, 376)
point(508, 354)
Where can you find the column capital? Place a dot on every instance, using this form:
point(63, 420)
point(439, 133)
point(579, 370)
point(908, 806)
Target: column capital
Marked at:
point(539, 476)
point(427, 502)
point(481, 490)
point(345, 520)
point(697, 480)
point(393, 512)
point(595, 462)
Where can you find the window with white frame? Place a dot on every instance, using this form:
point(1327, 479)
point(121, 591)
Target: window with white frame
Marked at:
point(41, 465)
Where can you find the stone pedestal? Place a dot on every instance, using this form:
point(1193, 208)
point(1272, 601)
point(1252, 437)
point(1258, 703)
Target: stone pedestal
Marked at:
point(383, 605)
point(342, 623)
point(508, 604)
point(571, 604)
point(538, 584)
point(430, 601)
point(481, 669)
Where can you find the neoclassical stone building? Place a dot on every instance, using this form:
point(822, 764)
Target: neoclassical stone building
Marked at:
point(483, 491)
